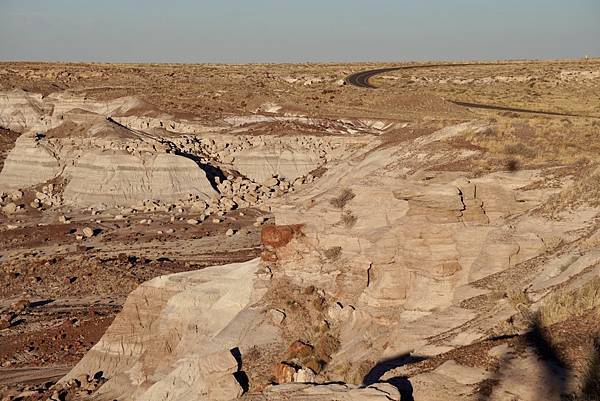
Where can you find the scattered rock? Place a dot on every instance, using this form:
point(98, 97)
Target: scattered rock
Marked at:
point(10, 208)
point(16, 195)
point(271, 182)
point(305, 376)
point(20, 306)
point(276, 316)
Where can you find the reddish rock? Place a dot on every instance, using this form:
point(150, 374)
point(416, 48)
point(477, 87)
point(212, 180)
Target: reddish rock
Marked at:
point(278, 236)
point(284, 373)
point(299, 349)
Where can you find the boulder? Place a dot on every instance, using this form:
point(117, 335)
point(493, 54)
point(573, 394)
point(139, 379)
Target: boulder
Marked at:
point(175, 335)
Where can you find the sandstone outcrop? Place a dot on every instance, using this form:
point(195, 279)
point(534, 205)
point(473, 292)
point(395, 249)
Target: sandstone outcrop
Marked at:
point(177, 338)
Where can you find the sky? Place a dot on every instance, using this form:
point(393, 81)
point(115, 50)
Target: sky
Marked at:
point(245, 31)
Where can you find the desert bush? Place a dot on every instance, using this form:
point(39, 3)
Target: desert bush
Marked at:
point(349, 220)
point(343, 198)
point(518, 297)
point(333, 253)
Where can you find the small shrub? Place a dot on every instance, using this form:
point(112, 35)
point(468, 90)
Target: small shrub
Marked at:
point(349, 219)
point(518, 297)
point(340, 201)
point(333, 253)
point(513, 165)
point(520, 149)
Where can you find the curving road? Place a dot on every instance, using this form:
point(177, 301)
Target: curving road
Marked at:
point(362, 80)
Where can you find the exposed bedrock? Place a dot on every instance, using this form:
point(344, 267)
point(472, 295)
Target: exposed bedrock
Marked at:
point(29, 163)
point(120, 178)
point(175, 336)
point(400, 253)
point(104, 164)
point(25, 111)
point(20, 111)
point(262, 163)
point(108, 156)
point(185, 337)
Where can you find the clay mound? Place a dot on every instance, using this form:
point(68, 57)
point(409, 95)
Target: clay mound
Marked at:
point(108, 129)
point(80, 123)
point(134, 106)
point(29, 163)
point(21, 110)
point(116, 177)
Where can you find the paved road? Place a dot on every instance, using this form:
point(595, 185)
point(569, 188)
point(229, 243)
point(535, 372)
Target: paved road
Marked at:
point(362, 80)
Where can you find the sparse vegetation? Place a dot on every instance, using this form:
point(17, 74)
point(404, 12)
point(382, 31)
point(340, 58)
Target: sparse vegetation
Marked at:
point(349, 219)
point(333, 253)
point(590, 387)
point(518, 297)
point(565, 304)
point(520, 149)
point(343, 198)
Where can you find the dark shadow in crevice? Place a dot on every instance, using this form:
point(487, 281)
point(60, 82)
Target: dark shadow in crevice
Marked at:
point(400, 382)
point(240, 376)
point(212, 172)
point(43, 302)
point(404, 386)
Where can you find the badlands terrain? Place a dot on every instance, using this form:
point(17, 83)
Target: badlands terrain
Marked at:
point(284, 232)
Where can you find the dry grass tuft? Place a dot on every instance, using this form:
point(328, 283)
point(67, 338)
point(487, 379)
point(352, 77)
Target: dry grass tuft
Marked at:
point(565, 304)
point(540, 140)
point(590, 387)
point(584, 192)
point(344, 197)
point(518, 297)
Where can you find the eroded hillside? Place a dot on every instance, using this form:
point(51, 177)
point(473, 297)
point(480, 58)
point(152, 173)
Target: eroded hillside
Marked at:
point(268, 232)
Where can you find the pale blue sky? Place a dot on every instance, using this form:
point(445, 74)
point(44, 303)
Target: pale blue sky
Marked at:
point(233, 31)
